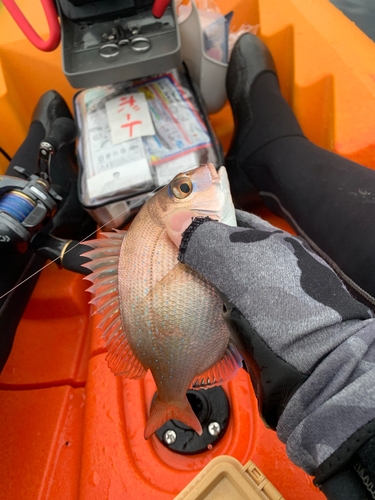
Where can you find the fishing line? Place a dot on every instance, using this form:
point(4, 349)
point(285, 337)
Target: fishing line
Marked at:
point(5, 154)
point(94, 232)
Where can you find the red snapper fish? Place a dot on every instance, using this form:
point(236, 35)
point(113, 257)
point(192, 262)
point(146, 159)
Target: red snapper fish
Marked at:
point(160, 315)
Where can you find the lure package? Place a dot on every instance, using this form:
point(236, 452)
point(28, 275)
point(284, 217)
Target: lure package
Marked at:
point(134, 138)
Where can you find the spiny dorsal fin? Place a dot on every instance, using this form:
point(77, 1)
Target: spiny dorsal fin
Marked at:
point(226, 369)
point(104, 266)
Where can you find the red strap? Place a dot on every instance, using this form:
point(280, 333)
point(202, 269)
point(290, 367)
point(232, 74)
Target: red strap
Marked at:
point(159, 7)
point(28, 30)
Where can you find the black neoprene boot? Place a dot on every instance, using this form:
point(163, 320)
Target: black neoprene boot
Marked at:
point(260, 115)
point(327, 199)
point(50, 107)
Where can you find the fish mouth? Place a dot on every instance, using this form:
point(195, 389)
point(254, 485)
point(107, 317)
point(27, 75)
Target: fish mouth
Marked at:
point(223, 177)
point(220, 179)
point(214, 174)
point(222, 208)
point(218, 175)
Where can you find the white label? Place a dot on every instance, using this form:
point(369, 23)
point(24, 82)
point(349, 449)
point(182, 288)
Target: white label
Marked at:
point(129, 117)
point(113, 168)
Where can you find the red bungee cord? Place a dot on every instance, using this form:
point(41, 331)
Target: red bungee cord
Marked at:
point(159, 7)
point(52, 20)
point(53, 23)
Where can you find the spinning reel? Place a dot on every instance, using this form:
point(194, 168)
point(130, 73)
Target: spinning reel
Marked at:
point(28, 204)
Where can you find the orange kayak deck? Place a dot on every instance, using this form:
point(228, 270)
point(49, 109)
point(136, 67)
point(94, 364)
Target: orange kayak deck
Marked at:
point(70, 429)
point(74, 431)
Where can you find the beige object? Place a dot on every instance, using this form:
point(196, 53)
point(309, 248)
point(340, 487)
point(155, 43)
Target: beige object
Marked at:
point(225, 478)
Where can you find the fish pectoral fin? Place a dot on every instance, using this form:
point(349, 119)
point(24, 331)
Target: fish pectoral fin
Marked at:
point(176, 271)
point(162, 412)
point(223, 371)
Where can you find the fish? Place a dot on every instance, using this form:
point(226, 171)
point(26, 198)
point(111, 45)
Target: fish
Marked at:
point(159, 314)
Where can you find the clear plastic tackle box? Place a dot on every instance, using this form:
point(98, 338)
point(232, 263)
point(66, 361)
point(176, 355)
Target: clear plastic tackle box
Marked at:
point(134, 137)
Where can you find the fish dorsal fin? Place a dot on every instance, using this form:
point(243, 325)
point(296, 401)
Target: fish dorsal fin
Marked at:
point(226, 369)
point(104, 266)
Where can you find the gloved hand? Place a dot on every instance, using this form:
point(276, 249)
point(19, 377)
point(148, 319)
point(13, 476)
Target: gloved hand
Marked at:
point(308, 346)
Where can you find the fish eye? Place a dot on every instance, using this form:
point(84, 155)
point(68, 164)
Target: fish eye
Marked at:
point(181, 188)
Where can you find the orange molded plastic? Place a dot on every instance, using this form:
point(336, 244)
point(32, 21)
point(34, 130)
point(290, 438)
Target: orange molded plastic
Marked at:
point(41, 443)
point(70, 429)
point(51, 347)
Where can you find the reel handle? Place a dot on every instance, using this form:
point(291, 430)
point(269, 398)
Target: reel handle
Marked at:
point(63, 132)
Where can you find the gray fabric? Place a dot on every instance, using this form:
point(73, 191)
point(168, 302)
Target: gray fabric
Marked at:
point(263, 278)
point(301, 309)
point(335, 401)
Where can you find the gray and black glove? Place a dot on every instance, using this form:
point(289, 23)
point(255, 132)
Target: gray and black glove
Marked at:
point(308, 346)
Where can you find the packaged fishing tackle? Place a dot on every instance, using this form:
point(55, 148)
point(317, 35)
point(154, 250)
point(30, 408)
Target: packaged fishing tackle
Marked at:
point(135, 137)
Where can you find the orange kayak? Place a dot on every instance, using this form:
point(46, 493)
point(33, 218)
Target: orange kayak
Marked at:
point(70, 429)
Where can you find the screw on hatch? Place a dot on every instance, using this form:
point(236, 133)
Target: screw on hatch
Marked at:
point(170, 437)
point(214, 428)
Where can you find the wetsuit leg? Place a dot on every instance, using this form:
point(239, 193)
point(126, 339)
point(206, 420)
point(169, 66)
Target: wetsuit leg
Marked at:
point(327, 199)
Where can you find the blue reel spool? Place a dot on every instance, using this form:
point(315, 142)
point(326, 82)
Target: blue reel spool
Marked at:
point(17, 205)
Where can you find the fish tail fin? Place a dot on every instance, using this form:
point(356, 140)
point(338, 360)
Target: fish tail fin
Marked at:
point(161, 412)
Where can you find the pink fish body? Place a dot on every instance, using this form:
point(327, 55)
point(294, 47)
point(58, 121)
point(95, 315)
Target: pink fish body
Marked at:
point(159, 315)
